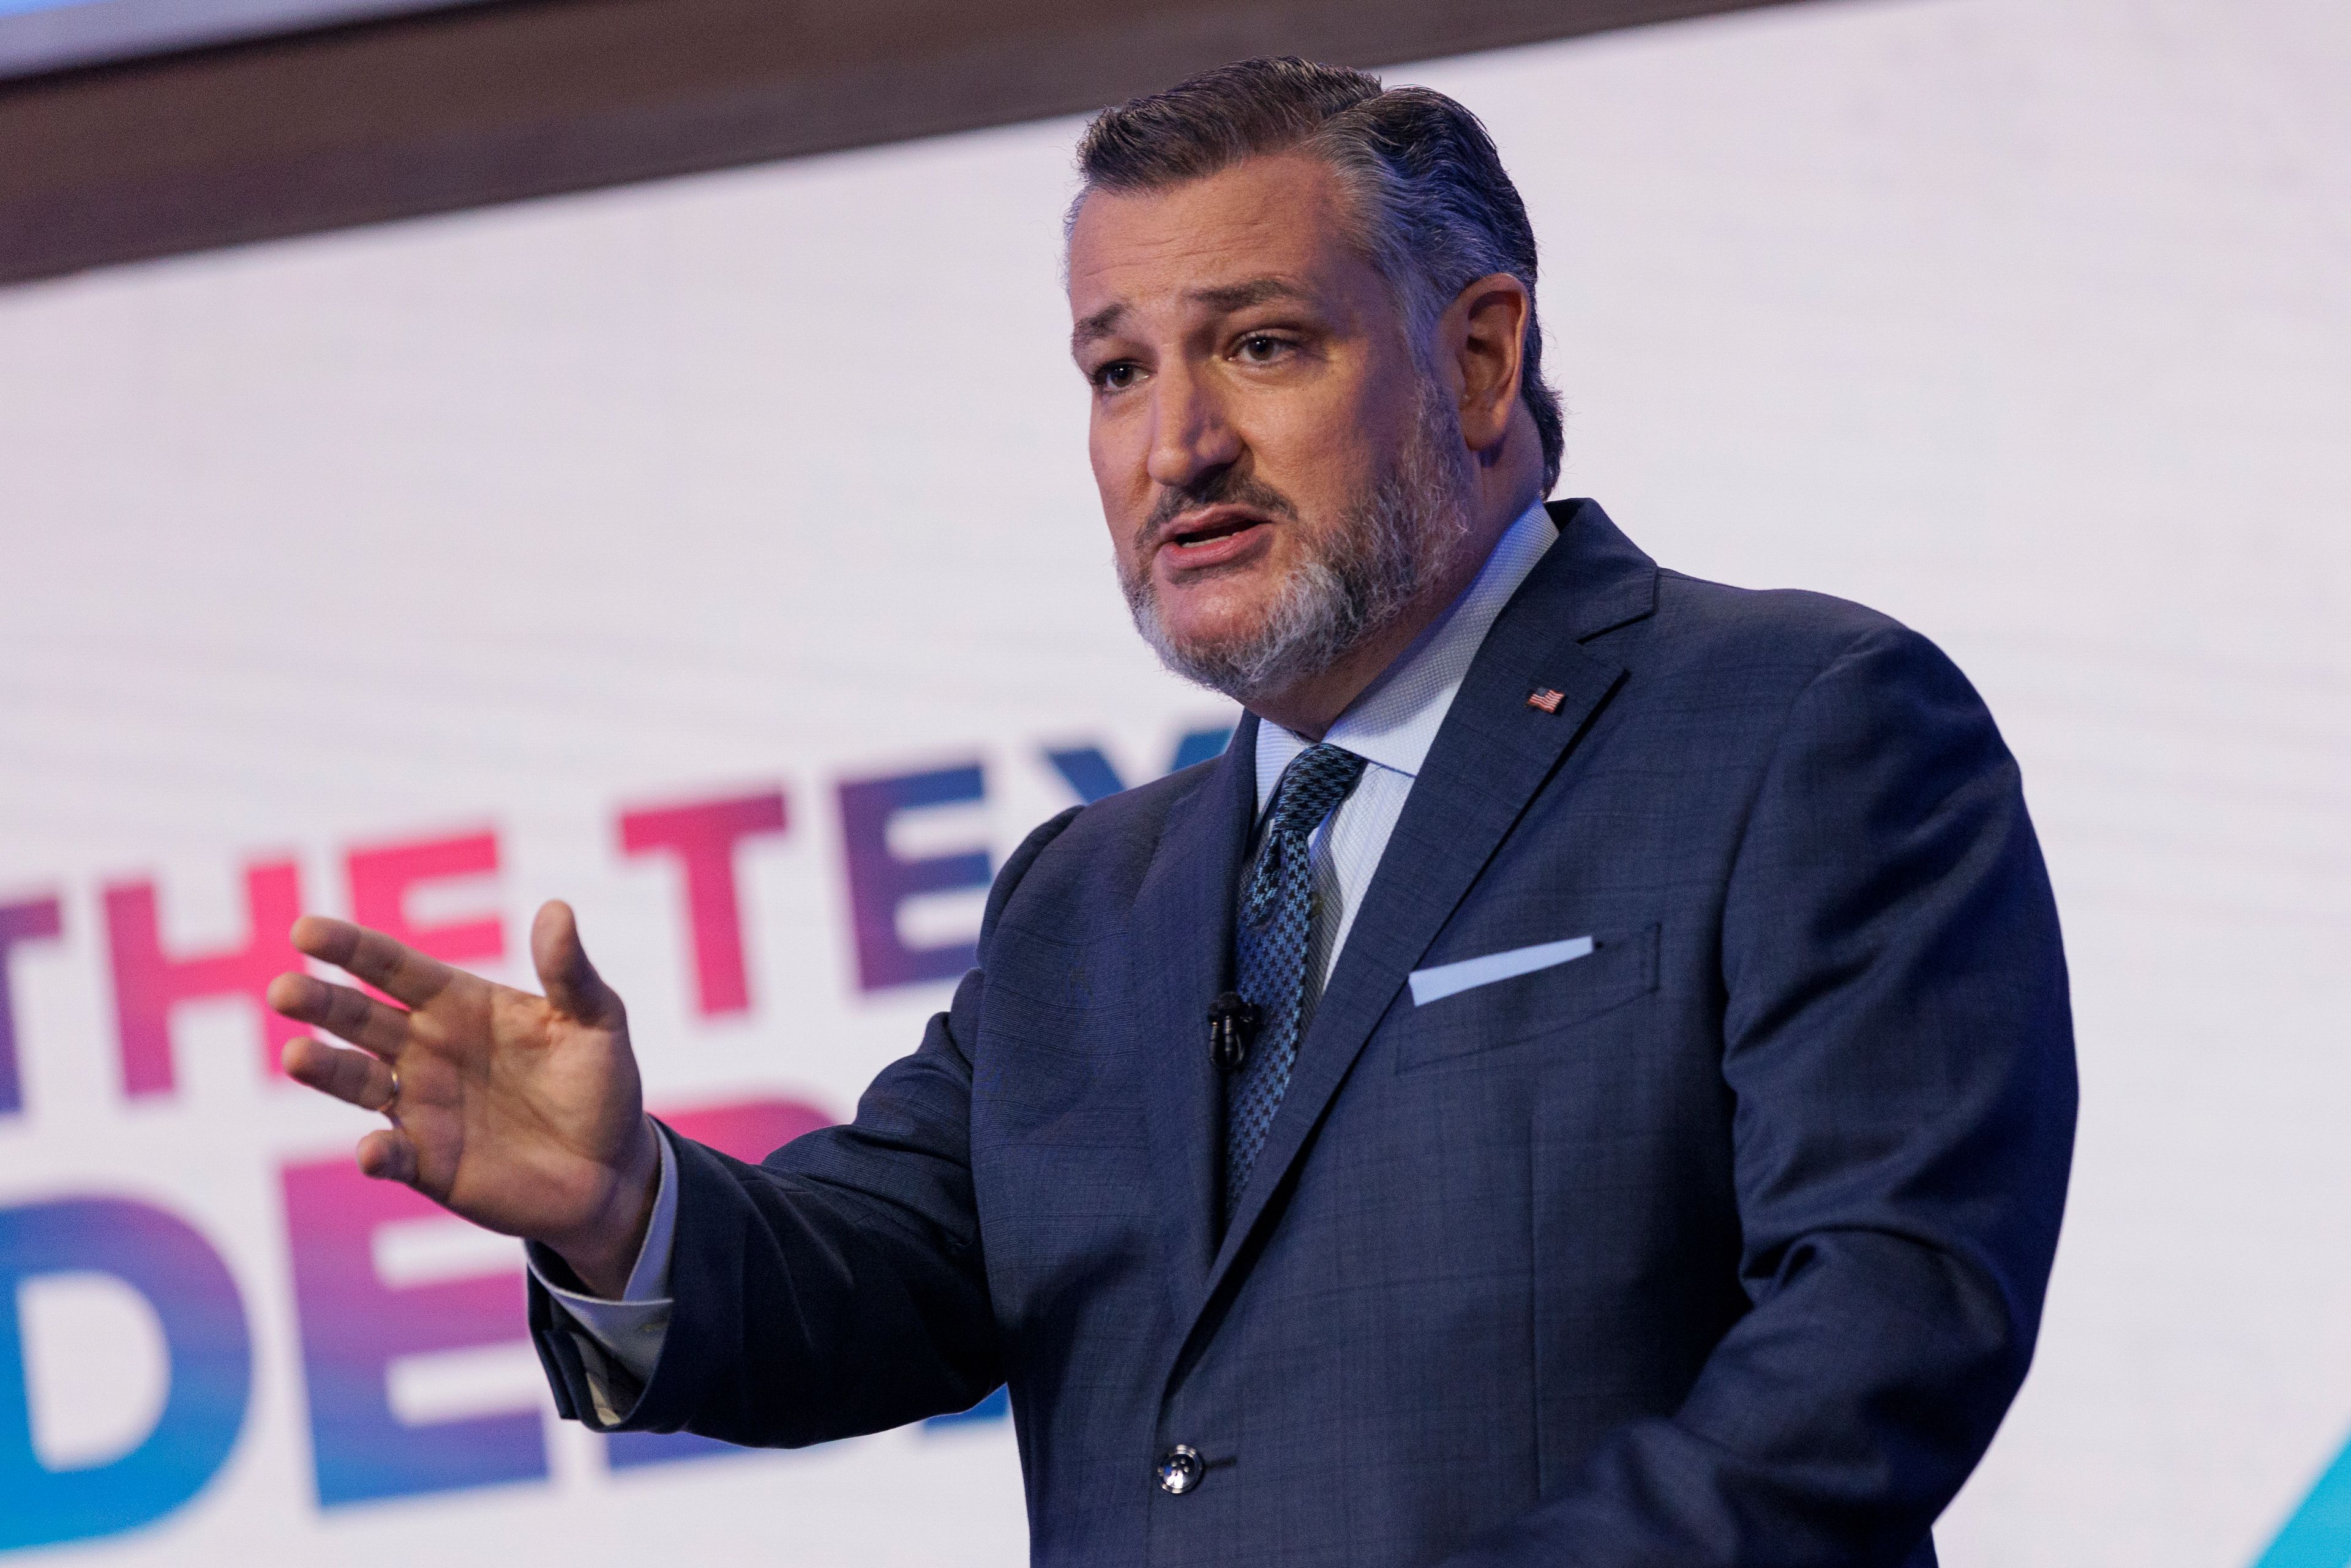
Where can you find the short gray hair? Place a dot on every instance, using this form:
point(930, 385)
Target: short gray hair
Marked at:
point(1435, 207)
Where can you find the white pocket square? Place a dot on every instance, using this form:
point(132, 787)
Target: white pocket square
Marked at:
point(1434, 985)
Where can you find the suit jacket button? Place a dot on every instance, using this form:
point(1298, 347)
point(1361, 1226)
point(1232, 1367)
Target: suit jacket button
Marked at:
point(1180, 1470)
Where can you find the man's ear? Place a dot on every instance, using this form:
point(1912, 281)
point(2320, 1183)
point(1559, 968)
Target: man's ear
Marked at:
point(1485, 331)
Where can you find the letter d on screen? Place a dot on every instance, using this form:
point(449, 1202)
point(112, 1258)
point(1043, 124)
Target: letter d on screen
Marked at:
point(203, 1319)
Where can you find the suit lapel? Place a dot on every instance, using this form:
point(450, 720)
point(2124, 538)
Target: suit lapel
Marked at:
point(1179, 939)
point(1490, 757)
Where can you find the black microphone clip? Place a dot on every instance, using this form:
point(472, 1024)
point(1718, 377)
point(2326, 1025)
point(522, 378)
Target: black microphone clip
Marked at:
point(1232, 1025)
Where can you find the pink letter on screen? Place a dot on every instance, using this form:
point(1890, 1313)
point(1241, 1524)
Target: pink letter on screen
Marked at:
point(354, 1326)
point(148, 982)
point(382, 876)
point(703, 836)
point(34, 920)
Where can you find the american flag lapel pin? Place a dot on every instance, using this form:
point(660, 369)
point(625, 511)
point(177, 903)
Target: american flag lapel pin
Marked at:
point(1545, 699)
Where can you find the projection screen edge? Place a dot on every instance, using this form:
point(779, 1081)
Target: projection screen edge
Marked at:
point(466, 108)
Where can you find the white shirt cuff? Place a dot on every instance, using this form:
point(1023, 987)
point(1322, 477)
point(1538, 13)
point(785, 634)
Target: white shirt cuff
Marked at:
point(631, 1331)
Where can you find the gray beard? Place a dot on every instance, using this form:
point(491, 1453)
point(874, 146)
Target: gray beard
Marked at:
point(1389, 547)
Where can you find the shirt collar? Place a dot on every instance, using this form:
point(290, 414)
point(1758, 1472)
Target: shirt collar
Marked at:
point(1394, 721)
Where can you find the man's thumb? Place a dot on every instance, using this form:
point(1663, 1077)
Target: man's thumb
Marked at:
point(570, 981)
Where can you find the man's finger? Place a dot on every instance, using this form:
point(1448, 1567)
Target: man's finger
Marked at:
point(342, 1011)
point(395, 969)
point(352, 1076)
point(570, 981)
point(386, 1155)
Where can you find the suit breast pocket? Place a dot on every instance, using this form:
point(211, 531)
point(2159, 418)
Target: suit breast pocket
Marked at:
point(1573, 986)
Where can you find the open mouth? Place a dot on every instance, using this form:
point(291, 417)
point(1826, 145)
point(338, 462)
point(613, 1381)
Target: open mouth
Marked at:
point(1213, 532)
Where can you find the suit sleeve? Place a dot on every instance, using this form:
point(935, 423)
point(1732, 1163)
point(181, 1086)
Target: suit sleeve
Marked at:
point(1898, 1043)
point(834, 1288)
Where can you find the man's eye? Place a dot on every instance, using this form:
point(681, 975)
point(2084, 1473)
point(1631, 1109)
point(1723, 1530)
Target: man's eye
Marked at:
point(1263, 347)
point(1117, 376)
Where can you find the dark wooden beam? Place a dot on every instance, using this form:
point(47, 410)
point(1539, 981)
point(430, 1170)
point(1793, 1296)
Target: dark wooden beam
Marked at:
point(529, 98)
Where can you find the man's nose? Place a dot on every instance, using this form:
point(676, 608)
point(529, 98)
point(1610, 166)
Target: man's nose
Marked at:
point(1190, 434)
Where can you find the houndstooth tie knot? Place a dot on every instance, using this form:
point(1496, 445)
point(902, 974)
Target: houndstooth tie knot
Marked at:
point(1317, 779)
point(1271, 945)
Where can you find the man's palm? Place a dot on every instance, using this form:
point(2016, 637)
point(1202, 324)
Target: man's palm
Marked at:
point(520, 1112)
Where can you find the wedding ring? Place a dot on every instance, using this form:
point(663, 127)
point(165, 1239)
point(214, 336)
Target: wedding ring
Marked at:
point(385, 1109)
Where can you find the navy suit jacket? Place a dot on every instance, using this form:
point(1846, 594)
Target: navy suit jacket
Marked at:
point(1725, 1244)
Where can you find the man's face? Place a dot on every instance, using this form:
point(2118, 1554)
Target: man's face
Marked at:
point(1268, 450)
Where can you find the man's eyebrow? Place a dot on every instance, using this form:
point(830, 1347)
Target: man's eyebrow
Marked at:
point(1255, 291)
point(1101, 324)
point(1224, 298)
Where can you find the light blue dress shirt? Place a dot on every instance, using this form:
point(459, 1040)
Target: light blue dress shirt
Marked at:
point(1391, 726)
point(631, 1330)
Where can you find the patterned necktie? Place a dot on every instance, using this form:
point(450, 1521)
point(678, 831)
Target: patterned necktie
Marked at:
point(1271, 941)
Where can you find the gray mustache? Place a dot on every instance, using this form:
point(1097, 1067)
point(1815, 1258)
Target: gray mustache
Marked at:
point(1223, 489)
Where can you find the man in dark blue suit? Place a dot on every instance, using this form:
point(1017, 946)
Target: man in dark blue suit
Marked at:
point(1584, 1078)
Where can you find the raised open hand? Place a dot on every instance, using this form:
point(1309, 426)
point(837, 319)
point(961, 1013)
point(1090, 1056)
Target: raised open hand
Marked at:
point(522, 1113)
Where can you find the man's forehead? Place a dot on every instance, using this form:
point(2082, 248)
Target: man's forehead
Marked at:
point(1282, 201)
point(1263, 230)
